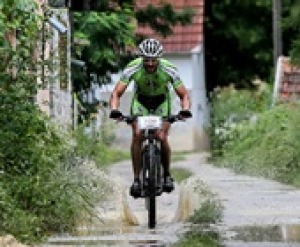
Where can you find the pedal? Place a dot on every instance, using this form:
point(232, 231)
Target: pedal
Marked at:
point(168, 189)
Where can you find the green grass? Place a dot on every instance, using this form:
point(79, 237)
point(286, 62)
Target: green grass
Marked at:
point(200, 238)
point(209, 212)
point(180, 174)
point(111, 156)
point(179, 155)
point(201, 232)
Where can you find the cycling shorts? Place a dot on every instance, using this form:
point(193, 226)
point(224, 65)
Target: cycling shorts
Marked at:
point(158, 105)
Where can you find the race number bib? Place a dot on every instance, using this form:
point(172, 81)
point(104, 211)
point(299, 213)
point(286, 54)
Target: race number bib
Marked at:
point(149, 122)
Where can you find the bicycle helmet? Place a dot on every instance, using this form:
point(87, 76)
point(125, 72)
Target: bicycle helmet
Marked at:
point(151, 48)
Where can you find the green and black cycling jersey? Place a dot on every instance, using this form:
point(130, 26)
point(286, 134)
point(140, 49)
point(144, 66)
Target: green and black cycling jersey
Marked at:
point(151, 90)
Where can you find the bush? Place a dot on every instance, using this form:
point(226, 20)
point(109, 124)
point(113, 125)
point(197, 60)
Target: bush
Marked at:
point(211, 211)
point(43, 188)
point(269, 147)
point(230, 108)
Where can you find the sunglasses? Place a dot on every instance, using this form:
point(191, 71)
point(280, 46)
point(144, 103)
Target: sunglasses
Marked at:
point(150, 60)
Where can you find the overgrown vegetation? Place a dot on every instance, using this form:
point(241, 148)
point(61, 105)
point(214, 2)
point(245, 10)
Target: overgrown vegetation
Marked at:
point(266, 144)
point(230, 108)
point(46, 185)
point(180, 174)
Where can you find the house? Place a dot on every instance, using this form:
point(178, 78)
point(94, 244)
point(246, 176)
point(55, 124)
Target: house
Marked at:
point(185, 49)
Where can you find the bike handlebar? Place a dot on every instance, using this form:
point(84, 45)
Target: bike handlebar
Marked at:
point(129, 119)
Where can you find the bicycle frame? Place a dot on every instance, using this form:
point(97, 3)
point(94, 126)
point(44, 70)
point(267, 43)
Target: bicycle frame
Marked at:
point(151, 173)
point(151, 168)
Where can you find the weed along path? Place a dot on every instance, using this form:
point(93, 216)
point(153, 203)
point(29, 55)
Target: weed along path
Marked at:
point(257, 212)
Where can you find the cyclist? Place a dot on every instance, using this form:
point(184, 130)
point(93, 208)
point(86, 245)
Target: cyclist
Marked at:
point(153, 77)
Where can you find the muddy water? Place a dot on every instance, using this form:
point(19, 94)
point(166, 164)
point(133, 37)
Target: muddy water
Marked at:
point(257, 212)
point(125, 220)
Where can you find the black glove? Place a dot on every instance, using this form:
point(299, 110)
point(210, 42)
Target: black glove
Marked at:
point(185, 113)
point(115, 114)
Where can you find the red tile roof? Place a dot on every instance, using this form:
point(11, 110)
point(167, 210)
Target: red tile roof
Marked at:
point(184, 38)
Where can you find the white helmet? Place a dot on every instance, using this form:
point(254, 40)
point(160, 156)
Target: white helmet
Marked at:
point(151, 48)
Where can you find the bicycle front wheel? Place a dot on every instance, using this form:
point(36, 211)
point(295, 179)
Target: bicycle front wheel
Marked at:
point(152, 187)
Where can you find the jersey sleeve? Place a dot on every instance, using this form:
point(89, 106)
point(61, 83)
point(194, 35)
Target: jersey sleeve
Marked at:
point(173, 73)
point(177, 83)
point(130, 70)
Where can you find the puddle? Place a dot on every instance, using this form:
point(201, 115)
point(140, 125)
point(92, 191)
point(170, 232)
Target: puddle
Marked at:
point(124, 220)
point(283, 233)
point(100, 242)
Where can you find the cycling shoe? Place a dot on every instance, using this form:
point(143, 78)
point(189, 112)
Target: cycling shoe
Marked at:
point(135, 189)
point(168, 184)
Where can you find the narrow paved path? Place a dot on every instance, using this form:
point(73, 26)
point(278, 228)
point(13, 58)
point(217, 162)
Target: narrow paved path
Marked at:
point(256, 207)
point(257, 212)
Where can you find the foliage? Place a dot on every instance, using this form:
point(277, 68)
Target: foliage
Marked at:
point(94, 145)
point(266, 145)
point(43, 187)
point(180, 174)
point(200, 237)
point(163, 18)
point(230, 108)
point(245, 30)
point(209, 212)
point(108, 35)
point(241, 27)
point(269, 147)
point(291, 25)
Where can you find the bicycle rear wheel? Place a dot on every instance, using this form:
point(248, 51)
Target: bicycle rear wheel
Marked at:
point(152, 187)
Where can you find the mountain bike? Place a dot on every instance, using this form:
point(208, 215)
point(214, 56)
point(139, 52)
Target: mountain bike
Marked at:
point(151, 168)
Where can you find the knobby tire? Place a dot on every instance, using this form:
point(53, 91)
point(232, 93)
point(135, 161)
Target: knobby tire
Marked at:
point(152, 187)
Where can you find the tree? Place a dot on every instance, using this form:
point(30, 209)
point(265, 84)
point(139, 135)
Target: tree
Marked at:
point(243, 28)
point(291, 26)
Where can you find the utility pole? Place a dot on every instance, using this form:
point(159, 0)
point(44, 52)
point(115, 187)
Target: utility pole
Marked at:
point(277, 33)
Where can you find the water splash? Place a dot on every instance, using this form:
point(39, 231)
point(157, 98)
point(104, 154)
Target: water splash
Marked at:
point(193, 192)
point(124, 220)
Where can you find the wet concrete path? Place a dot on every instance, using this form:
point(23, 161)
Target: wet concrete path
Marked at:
point(257, 212)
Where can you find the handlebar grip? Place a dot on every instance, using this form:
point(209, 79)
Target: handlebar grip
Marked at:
point(129, 119)
point(172, 118)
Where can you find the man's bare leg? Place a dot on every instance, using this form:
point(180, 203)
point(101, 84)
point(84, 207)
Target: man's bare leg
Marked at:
point(165, 149)
point(136, 159)
point(136, 151)
point(165, 156)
